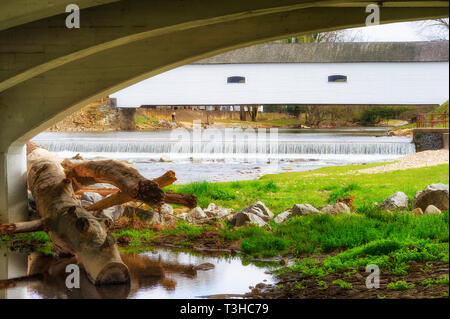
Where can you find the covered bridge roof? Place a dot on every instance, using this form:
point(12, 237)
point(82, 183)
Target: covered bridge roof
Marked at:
point(338, 52)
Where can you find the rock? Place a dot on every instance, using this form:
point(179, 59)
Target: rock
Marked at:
point(304, 209)
point(144, 215)
point(197, 213)
point(434, 194)
point(260, 286)
point(433, 210)
point(183, 216)
point(284, 261)
point(336, 209)
point(165, 160)
point(282, 217)
point(114, 212)
point(256, 291)
point(154, 218)
point(417, 211)
point(166, 209)
point(260, 210)
point(215, 211)
point(204, 266)
point(89, 198)
point(396, 201)
point(243, 219)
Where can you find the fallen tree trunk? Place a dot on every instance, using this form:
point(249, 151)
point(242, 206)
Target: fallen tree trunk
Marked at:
point(101, 191)
point(187, 200)
point(22, 227)
point(113, 172)
point(128, 180)
point(71, 228)
point(120, 197)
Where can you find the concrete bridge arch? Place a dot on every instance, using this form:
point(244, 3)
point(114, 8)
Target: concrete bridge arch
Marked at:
point(49, 71)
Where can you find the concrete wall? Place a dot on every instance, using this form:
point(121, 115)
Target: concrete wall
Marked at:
point(127, 119)
point(429, 138)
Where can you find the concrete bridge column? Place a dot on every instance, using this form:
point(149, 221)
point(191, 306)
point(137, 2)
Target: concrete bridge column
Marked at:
point(127, 118)
point(13, 186)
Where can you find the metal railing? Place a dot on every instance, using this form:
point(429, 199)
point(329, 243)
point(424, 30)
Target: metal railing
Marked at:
point(432, 120)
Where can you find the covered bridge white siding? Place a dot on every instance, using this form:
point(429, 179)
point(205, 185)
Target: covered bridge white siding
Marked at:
point(404, 80)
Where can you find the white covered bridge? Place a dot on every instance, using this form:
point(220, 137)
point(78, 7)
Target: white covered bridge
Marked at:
point(396, 73)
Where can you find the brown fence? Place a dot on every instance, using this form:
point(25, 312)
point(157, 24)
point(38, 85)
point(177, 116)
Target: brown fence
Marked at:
point(432, 120)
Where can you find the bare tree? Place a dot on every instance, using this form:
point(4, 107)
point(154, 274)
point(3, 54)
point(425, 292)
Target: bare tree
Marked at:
point(437, 29)
point(347, 35)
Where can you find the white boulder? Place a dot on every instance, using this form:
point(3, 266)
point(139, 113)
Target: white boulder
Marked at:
point(397, 201)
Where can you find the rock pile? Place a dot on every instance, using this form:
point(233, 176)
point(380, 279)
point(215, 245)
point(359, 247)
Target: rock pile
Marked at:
point(434, 194)
point(256, 214)
point(307, 209)
point(432, 200)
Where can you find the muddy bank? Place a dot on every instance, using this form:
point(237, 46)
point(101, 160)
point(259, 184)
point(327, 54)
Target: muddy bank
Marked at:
point(209, 239)
point(294, 285)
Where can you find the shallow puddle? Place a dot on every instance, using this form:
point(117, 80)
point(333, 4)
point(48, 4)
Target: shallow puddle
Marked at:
point(161, 273)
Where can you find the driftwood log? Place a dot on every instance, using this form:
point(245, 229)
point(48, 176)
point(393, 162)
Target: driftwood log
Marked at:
point(131, 186)
point(73, 229)
point(22, 227)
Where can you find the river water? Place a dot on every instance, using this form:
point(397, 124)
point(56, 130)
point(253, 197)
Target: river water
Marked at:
point(212, 155)
point(231, 154)
point(161, 273)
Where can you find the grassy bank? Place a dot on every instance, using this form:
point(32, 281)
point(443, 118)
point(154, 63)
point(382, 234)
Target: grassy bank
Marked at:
point(329, 249)
point(311, 234)
point(438, 110)
point(318, 187)
point(323, 234)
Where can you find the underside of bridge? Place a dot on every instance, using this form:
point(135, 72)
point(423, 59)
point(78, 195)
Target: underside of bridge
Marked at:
point(48, 71)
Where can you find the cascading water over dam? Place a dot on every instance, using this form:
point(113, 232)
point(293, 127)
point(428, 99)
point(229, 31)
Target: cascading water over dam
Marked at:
point(213, 155)
point(284, 144)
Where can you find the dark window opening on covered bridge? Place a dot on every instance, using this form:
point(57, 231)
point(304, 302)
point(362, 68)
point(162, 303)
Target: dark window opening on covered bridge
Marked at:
point(236, 79)
point(337, 78)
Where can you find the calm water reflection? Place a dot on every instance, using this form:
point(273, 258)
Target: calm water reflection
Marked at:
point(162, 273)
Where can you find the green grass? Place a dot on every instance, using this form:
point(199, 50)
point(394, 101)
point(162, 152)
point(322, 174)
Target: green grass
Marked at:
point(400, 285)
point(188, 230)
point(318, 187)
point(343, 284)
point(441, 109)
point(321, 285)
point(325, 233)
point(438, 110)
point(140, 120)
point(37, 241)
point(433, 281)
point(369, 236)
